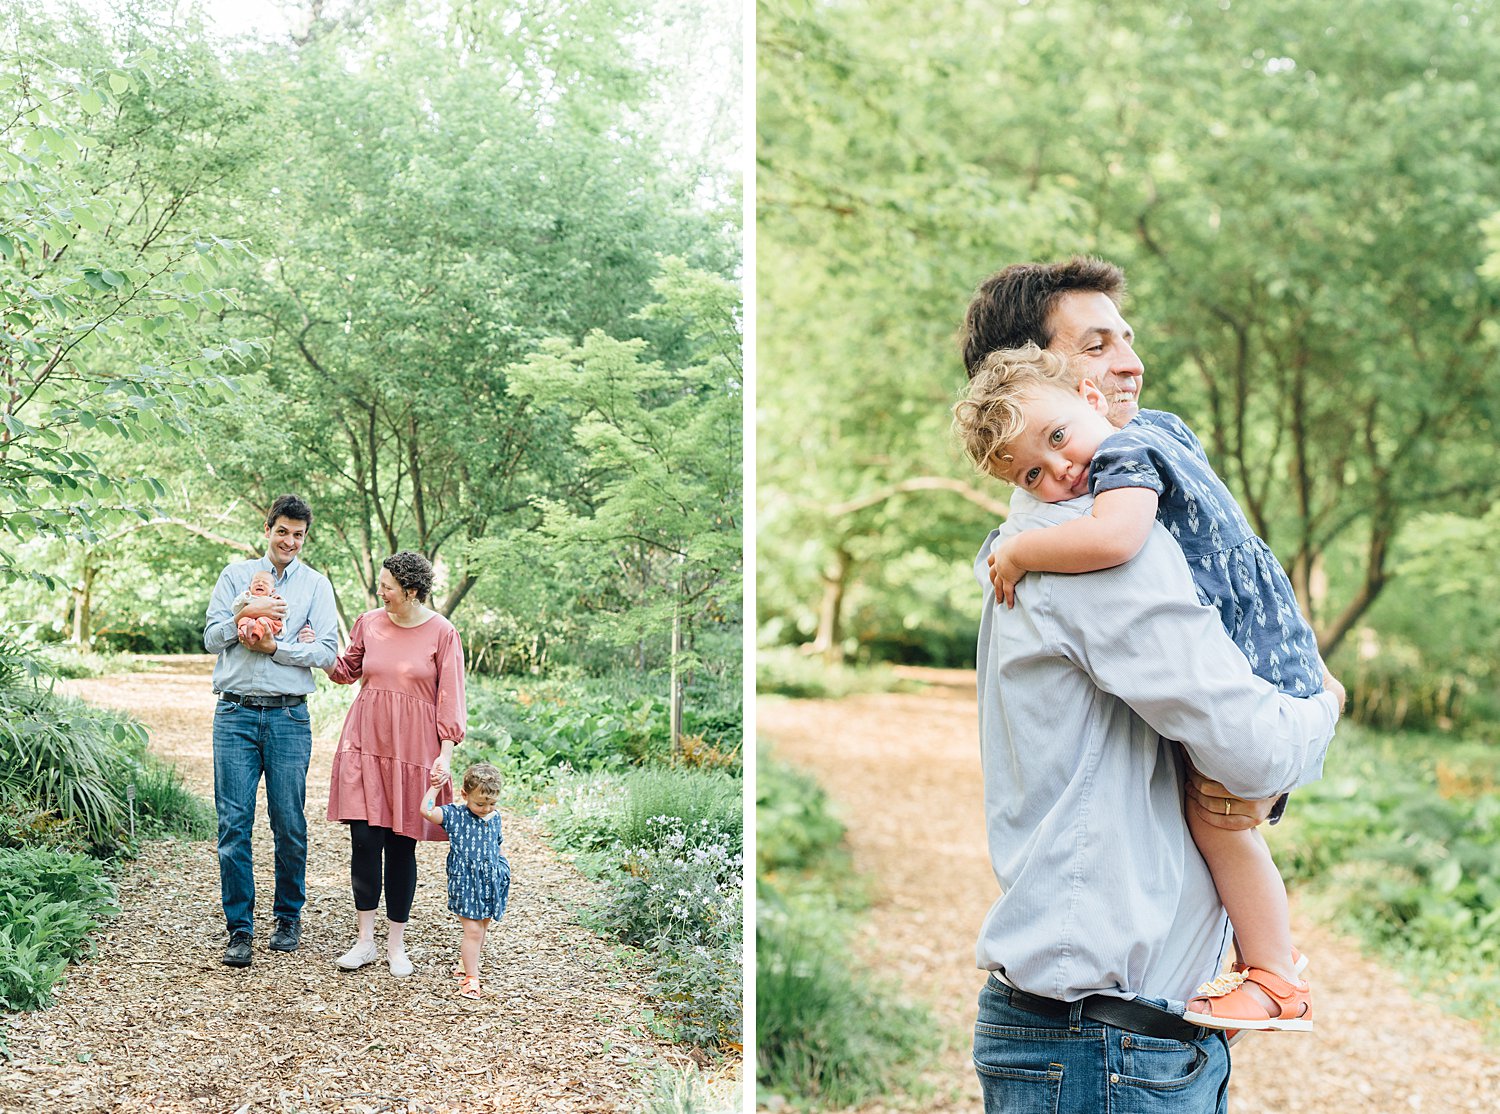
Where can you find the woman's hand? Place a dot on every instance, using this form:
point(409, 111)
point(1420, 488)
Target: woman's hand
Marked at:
point(440, 772)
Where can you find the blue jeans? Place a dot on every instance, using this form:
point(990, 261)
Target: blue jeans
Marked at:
point(249, 742)
point(1030, 1064)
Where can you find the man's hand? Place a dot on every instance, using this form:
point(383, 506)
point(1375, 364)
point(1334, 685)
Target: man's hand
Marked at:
point(307, 634)
point(1331, 684)
point(264, 607)
point(266, 645)
point(1221, 808)
point(1005, 574)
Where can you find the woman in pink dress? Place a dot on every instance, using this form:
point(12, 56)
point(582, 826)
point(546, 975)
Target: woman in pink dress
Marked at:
point(397, 740)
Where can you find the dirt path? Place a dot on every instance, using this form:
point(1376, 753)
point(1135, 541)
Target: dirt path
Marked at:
point(155, 1022)
point(903, 773)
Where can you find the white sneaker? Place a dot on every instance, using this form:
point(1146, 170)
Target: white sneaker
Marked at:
point(361, 955)
point(400, 966)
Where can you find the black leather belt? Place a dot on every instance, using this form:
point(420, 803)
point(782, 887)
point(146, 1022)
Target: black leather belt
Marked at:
point(1120, 1013)
point(264, 701)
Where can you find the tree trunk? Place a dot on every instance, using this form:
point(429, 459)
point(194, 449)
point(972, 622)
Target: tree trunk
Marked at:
point(829, 641)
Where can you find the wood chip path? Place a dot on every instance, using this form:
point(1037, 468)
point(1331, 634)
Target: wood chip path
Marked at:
point(156, 1023)
point(903, 772)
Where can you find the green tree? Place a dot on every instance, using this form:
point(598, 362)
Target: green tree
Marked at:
point(1296, 191)
point(428, 226)
point(109, 298)
point(657, 527)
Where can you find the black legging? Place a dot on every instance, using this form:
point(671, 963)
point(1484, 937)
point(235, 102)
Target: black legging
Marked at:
point(370, 845)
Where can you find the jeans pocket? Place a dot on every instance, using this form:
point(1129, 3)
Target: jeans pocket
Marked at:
point(299, 713)
point(1159, 1064)
point(1015, 1073)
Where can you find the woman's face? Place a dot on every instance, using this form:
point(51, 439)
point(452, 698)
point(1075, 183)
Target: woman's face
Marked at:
point(391, 593)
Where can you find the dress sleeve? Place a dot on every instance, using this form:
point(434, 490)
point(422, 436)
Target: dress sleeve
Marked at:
point(452, 706)
point(1125, 460)
point(350, 665)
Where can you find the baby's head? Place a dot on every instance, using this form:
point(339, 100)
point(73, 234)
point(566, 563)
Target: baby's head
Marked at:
point(481, 787)
point(261, 584)
point(1028, 418)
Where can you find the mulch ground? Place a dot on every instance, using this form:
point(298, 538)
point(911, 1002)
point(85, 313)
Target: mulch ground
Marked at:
point(154, 1022)
point(902, 771)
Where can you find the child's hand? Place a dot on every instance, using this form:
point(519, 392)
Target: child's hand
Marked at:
point(1005, 574)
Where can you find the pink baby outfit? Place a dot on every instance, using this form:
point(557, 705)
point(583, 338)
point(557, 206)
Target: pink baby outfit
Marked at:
point(412, 697)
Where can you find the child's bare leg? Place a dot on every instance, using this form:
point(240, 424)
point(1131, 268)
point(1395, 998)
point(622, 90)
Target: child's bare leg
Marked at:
point(1251, 889)
point(473, 945)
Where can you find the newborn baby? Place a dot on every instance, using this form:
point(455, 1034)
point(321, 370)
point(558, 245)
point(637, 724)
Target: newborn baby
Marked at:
point(253, 630)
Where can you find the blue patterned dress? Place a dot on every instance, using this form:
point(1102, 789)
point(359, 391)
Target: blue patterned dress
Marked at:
point(478, 874)
point(1236, 573)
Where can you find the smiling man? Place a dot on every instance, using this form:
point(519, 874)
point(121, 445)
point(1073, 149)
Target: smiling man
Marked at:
point(1107, 917)
point(1071, 308)
point(261, 722)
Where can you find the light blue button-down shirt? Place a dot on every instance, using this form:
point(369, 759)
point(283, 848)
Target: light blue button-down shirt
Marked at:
point(1081, 686)
point(287, 672)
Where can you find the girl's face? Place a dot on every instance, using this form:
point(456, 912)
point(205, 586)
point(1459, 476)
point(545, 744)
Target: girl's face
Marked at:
point(1051, 457)
point(391, 593)
point(479, 802)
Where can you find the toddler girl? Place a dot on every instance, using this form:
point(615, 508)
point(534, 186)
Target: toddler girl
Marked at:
point(478, 874)
point(1029, 420)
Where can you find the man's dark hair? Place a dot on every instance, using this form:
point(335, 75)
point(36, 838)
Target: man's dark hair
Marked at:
point(289, 506)
point(1011, 307)
point(412, 571)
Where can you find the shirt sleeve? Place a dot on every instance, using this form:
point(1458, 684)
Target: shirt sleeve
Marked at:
point(324, 618)
point(350, 665)
point(1140, 633)
point(452, 705)
point(218, 626)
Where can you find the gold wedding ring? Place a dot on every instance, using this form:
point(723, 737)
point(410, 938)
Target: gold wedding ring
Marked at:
point(1226, 806)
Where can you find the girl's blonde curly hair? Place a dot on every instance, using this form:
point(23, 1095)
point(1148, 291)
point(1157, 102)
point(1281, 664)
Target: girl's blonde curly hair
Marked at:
point(988, 416)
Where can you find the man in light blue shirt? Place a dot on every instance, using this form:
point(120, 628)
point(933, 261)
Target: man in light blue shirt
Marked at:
point(261, 722)
point(1108, 918)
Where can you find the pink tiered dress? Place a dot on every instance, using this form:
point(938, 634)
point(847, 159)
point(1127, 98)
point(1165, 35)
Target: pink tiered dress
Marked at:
point(412, 697)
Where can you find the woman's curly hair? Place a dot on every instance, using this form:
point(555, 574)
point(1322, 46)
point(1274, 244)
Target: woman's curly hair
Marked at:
point(412, 571)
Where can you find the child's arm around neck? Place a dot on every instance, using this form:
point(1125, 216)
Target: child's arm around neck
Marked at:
point(1110, 535)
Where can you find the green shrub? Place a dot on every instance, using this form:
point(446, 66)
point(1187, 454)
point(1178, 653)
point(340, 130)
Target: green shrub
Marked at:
point(789, 672)
point(1401, 841)
point(65, 771)
point(49, 904)
point(668, 844)
point(794, 829)
point(825, 1031)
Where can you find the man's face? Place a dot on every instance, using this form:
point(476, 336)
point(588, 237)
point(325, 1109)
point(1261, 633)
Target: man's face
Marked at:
point(285, 537)
point(1087, 326)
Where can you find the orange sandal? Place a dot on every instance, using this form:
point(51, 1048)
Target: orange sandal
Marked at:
point(470, 987)
point(1225, 1004)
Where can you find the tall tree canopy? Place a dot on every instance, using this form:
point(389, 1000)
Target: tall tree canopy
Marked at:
point(1295, 190)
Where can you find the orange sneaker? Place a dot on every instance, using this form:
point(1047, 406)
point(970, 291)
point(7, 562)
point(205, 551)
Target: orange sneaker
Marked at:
point(1224, 1003)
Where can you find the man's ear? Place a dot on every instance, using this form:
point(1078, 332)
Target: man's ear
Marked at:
point(1089, 391)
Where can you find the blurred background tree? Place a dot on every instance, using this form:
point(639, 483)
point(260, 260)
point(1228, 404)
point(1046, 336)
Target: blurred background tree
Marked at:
point(1298, 194)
